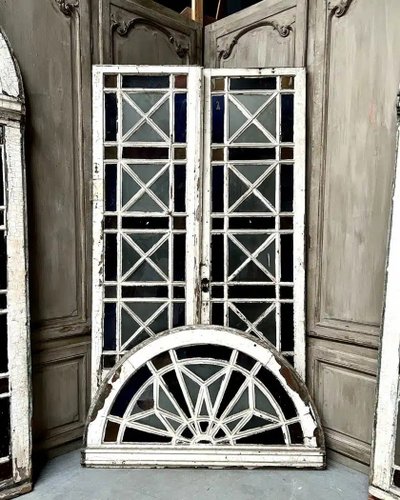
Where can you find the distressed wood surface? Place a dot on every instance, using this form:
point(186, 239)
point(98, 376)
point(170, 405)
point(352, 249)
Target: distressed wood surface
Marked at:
point(145, 32)
point(351, 137)
point(267, 34)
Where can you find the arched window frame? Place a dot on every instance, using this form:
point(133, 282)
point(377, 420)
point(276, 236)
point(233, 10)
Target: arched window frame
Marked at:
point(16, 380)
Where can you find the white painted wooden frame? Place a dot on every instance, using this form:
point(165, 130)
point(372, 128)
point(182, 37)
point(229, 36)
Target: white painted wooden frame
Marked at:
point(198, 189)
point(12, 111)
point(193, 152)
point(299, 91)
point(388, 378)
point(97, 453)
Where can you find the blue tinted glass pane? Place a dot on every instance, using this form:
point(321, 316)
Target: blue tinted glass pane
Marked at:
point(180, 117)
point(218, 107)
point(111, 188)
point(109, 338)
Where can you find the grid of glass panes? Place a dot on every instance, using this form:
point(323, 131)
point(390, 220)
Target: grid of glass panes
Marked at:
point(252, 156)
point(145, 122)
point(5, 459)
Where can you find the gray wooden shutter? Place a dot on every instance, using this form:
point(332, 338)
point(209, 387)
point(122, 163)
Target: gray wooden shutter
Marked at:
point(268, 34)
point(144, 32)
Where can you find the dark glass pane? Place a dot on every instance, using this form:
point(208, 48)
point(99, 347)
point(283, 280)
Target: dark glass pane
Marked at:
point(286, 222)
point(287, 333)
point(286, 188)
point(144, 291)
point(110, 152)
point(3, 301)
point(179, 153)
point(258, 83)
point(111, 114)
point(217, 257)
point(217, 316)
point(110, 292)
point(218, 106)
point(131, 387)
point(287, 257)
point(110, 81)
point(109, 361)
point(145, 222)
point(218, 223)
point(251, 153)
point(180, 117)
point(251, 291)
point(217, 292)
point(109, 336)
point(396, 478)
point(111, 432)
point(145, 82)
point(286, 292)
point(287, 117)
point(6, 470)
point(236, 380)
point(179, 257)
point(179, 222)
point(3, 344)
point(3, 385)
point(217, 154)
point(179, 315)
point(147, 153)
point(111, 187)
point(179, 292)
point(111, 257)
point(217, 196)
point(275, 388)
point(180, 188)
point(110, 222)
point(1, 176)
point(287, 153)
point(4, 427)
point(290, 359)
point(3, 260)
point(251, 222)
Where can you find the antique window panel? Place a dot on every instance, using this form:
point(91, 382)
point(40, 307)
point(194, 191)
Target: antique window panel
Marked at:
point(385, 468)
point(254, 205)
point(15, 405)
point(203, 396)
point(146, 193)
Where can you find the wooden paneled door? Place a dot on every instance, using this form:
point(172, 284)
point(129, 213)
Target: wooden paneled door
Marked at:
point(353, 67)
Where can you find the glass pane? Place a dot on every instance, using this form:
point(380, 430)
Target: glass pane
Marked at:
point(287, 101)
point(218, 107)
point(111, 112)
point(258, 83)
point(145, 81)
point(180, 117)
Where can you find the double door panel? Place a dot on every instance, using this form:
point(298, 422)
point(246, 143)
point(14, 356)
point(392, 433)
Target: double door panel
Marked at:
point(198, 205)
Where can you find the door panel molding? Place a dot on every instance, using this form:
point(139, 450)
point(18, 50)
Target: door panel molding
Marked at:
point(337, 236)
point(268, 34)
point(334, 372)
point(125, 23)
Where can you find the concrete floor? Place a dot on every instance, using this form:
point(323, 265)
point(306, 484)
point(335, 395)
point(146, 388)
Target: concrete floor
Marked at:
point(64, 479)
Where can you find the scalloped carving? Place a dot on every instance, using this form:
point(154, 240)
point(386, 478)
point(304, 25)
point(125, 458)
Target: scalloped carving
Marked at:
point(284, 31)
point(66, 7)
point(340, 8)
point(124, 27)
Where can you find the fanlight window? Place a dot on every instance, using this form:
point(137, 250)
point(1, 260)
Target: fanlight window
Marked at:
point(206, 396)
